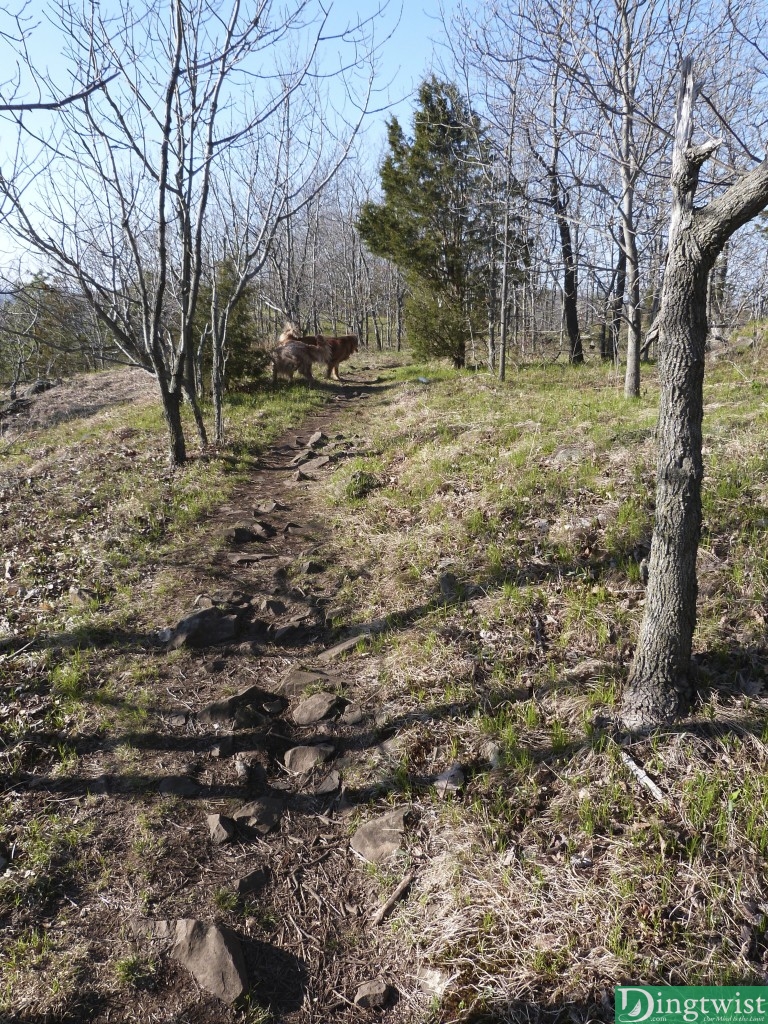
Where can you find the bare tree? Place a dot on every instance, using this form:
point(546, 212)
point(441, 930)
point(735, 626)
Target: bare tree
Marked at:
point(117, 189)
point(661, 684)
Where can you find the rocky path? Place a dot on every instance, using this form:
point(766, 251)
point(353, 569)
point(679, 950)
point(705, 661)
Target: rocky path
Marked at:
point(276, 714)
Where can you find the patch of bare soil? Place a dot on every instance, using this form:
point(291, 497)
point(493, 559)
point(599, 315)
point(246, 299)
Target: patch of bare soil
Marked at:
point(219, 791)
point(78, 397)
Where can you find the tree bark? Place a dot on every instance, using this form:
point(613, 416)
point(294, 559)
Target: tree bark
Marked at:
point(171, 399)
point(661, 685)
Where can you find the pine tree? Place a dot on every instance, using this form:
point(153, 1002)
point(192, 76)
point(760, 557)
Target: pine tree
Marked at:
point(433, 222)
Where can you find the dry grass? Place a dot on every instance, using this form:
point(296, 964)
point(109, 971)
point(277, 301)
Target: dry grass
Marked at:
point(487, 539)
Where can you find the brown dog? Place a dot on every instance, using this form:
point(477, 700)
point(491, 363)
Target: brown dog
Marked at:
point(335, 350)
point(292, 355)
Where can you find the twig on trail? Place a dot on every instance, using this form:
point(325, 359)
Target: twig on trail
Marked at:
point(383, 910)
point(643, 777)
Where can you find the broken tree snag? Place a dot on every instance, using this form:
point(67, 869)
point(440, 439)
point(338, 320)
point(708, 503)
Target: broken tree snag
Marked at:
point(661, 684)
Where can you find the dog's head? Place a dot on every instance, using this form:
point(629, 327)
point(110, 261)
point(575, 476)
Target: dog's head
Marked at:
point(290, 333)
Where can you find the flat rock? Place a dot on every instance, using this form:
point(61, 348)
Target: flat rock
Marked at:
point(227, 710)
point(269, 506)
point(373, 995)
point(297, 680)
point(450, 782)
point(244, 557)
point(351, 715)
point(330, 784)
point(262, 815)
point(214, 957)
point(380, 838)
point(315, 708)
point(242, 533)
point(586, 670)
point(302, 759)
point(221, 828)
point(178, 785)
point(251, 882)
point(332, 653)
point(314, 465)
point(203, 628)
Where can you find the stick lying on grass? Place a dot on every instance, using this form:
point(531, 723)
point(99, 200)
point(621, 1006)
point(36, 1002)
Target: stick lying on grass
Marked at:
point(385, 908)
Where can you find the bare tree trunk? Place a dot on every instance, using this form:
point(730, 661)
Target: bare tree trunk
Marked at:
point(661, 685)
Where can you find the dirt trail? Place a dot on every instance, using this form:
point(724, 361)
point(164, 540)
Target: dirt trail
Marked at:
point(226, 733)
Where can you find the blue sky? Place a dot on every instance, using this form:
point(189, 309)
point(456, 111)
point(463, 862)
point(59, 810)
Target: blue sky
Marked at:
point(409, 54)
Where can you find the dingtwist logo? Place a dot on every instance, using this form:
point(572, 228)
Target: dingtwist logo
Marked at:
point(692, 1004)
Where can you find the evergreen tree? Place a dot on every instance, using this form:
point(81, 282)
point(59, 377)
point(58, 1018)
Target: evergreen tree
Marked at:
point(433, 222)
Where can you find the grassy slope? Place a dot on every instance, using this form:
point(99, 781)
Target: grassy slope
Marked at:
point(493, 533)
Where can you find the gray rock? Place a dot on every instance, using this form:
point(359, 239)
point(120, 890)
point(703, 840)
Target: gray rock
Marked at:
point(315, 708)
point(251, 882)
point(203, 628)
point(225, 712)
point(221, 828)
point(314, 465)
point(147, 928)
point(269, 506)
point(213, 955)
point(262, 815)
point(241, 533)
point(303, 759)
point(330, 784)
point(332, 653)
point(224, 747)
point(352, 715)
point(449, 782)
point(372, 995)
point(317, 440)
point(178, 785)
point(297, 680)
point(310, 566)
point(380, 838)
point(302, 457)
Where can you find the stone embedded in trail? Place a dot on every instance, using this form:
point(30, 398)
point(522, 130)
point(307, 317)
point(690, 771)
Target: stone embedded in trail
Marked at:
point(203, 628)
point(373, 995)
point(315, 708)
point(242, 533)
point(296, 680)
point(269, 506)
point(302, 759)
point(314, 465)
point(243, 558)
point(449, 782)
point(254, 880)
point(380, 838)
point(332, 653)
point(178, 785)
point(352, 715)
point(220, 827)
point(329, 784)
point(214, 956)
point(261, 815)
point(271, 605)
point(304, 456)
point(234, 711)
point(317, 440)
point(224, 747)
point(310, 566)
